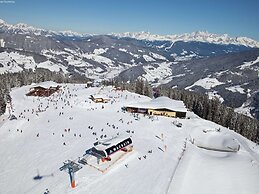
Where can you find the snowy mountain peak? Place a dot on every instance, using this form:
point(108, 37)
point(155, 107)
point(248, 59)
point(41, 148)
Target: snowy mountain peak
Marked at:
point(202, 36)
point(70, 33)
point(22, 25)
point(22, 28)
point(2, 21)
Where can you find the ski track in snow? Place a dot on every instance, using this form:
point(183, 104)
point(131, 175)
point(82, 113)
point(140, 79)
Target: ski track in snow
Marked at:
point(175, 169)
point(254, 155)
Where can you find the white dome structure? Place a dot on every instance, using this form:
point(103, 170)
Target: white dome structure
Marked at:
point(217, 141)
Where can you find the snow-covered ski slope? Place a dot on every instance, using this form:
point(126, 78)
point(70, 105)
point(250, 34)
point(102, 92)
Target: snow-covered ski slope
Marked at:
point(165, 158)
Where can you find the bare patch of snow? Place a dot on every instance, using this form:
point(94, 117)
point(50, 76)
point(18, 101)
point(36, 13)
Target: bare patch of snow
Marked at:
point(99, 59)
point(236, 88)
point(52, 66)
point(249, 64)
point(161, 72)
point(148, 58)
point(245, 109)
point(206, 83)
point(123, 50)
point(13, 61)
point(2, 42)
point(215, 95)
point(157, 56)
point(100, 51)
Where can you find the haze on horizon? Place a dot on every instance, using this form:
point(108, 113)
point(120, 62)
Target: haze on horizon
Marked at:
point(233, 17)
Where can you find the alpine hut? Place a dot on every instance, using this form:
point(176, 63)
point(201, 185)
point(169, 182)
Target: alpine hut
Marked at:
point(161, 106)
point(99, 99)
point(42, 92)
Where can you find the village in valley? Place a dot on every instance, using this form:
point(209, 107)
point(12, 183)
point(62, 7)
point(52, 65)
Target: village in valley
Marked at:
point(83, 139)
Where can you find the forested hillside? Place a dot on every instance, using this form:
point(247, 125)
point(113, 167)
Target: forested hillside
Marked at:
point(203, 106)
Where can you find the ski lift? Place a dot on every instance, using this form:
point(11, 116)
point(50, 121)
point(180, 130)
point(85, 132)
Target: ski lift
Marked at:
point(12, 117)
point(38, 176)
point(71, 167)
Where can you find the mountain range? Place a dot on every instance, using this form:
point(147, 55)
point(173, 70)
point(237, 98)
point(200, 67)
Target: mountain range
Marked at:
point(201, 36)
point(217, 65)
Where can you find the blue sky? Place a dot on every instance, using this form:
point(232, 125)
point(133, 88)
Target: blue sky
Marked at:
point(234, 17)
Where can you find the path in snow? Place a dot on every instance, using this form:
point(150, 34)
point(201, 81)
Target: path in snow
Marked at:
point(254, 155)
point(175, 168)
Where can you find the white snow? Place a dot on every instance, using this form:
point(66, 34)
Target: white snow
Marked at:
point(157, 56)
point(184, 52)
point(98, 58)
point(214, 94)
point(70, 51)
point(245, 109)
point(249, 64)
point(206, 83)
point(215, 140)
point(50, 54)
point(123, 50)
point(236, 88)
point(134, 55)
point(166, 79)
point(148, 58)
point(2, 42)
point(161, 72)
point(174, 166)
point(170, 46)
point(100, 51)
point(13, 61)
point(78, 62)
point(161, 102)
point(184, 56)
point(108, 68)
point(69, 33)
point(98, 69)
point(52, 66)
point(202, 36)
point(221, 72)
point(22, 28)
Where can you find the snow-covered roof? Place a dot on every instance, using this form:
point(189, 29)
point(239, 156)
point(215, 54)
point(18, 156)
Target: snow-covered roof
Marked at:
point(214, 140)
point(46, 84)
point(100, 96)
point(161, 102)
point(106, 143)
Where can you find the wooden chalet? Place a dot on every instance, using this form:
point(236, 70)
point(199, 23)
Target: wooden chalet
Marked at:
point(99, 99)
point(42, 92)
point(161, 106)
point(89, 84)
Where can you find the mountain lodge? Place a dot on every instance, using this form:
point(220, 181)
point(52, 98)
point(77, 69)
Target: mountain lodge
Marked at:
point(161, 106)
point(42, 92)
point(99, 99)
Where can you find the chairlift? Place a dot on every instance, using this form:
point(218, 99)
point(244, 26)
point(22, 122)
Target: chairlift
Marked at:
point(12, 117)
point(38, 177)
